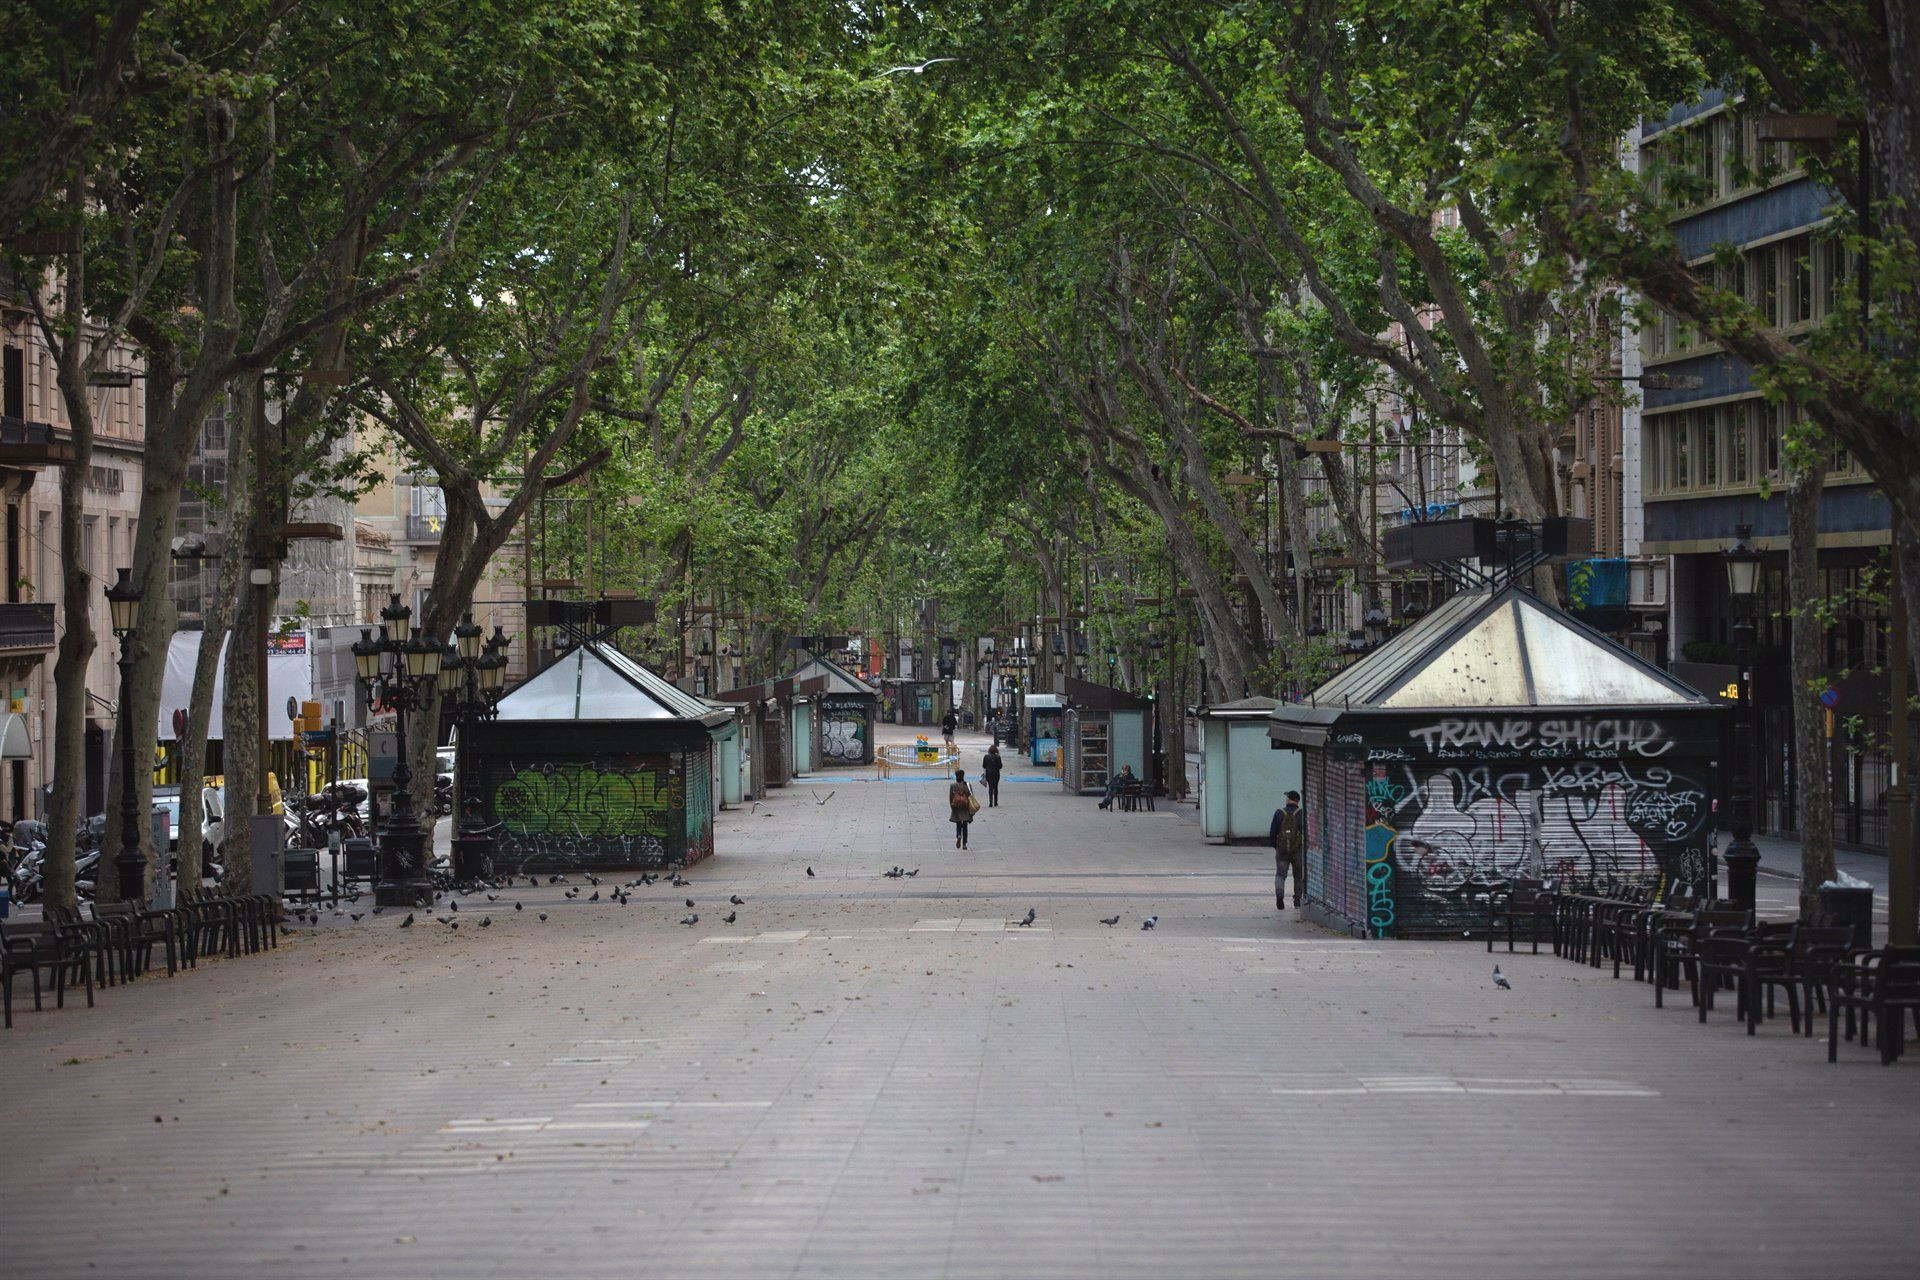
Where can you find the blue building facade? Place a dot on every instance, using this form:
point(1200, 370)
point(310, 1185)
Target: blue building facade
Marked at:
point(1704, 449)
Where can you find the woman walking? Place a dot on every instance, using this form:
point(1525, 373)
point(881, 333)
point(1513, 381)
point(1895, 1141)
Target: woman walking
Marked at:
point(961, 804)
point(990, 770)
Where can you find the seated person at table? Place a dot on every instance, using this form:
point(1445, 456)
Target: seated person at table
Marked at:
point(1116, 783)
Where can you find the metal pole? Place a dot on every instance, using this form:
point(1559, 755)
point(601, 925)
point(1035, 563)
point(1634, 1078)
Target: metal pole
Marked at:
point(1902, 930)
point(1742, 859)
point(129, 862)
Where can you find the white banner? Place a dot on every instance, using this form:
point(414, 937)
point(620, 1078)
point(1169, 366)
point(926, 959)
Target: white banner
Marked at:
point(289, 675)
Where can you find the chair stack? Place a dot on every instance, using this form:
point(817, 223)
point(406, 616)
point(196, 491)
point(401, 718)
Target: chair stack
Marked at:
point(1680, 935)
point(118, 943)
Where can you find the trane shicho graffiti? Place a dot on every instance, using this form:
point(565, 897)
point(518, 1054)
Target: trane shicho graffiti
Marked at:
point(1577, 799)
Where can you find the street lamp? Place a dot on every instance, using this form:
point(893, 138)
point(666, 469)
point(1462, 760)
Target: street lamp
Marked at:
point(1743, 587)
point(123, 606)
point(470, 694)
point(1376, 622)
point(400, 670)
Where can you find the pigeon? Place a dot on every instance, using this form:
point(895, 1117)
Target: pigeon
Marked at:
point(689, 902)
point(357, 916)
point(730, 917)
point(917, 70)
point(493, 897)
point(454, 925)
point(737, 900)
point(543, 915)
point(595, 897)
point(408, 922)
point(453, 906)
point(444, 919)
point(914, 872)
point(690, 919)
point(1110, 921)
point(1500, 979)
point(1149, 922)
point(518, 907)
point(809, 873)
point(592, 879)
point(1029, 919)
point(485, 921)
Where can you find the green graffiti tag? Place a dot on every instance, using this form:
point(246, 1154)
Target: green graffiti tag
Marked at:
point(589, 801)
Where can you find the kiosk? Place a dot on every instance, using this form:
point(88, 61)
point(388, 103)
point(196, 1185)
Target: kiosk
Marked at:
point(595, 763)
point(844, 711)
point(1495, 738)
point(1244, 776)
point(1045, 715)
point(1104, 731)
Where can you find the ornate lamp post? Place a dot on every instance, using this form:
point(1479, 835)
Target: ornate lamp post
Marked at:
point(1743, 587)
point(123, 604)
point(399, 670)
point(472, 680)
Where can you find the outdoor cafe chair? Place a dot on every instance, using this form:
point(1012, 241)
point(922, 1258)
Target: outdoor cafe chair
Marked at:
point(39, 945)
point(1523, 899)
point(1882, 988)
point(98, 943)
point(140, 932)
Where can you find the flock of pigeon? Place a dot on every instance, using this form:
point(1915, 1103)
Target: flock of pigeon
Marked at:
point(623, 895)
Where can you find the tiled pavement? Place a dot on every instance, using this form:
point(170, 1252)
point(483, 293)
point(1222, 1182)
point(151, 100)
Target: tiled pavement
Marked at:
point(890, 1078)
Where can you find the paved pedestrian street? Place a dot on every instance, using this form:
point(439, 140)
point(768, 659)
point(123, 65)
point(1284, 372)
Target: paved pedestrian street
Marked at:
point(891, 1077)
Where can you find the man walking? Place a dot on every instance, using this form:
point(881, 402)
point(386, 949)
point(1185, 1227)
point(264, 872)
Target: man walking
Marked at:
point(990, 770)
point(1289, 836)
point(949, 723)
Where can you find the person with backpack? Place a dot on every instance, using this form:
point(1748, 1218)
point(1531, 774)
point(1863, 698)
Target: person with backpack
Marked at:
point(990, 770)
point(1289, 836)
point(962, 806)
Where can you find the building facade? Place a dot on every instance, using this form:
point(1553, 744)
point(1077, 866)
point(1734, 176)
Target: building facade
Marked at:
point(36, 440)
point(1705, 451)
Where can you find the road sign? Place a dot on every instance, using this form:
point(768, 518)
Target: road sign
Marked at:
point(1829, 698)
point(318, 737)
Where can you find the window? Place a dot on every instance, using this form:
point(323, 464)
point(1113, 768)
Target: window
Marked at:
point(1678, 476)
point(213, 430)
point(1739, 445)
point(1763, 284)
point(1799, 253)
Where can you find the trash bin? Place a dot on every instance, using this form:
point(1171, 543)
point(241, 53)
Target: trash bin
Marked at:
point(473, 855)
point(1850, 905)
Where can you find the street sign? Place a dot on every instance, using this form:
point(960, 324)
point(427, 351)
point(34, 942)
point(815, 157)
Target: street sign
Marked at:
point(1829, 698)
point(318, 737)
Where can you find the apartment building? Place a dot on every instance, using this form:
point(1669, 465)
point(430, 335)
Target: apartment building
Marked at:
point(36, 439)
point(1704, 448)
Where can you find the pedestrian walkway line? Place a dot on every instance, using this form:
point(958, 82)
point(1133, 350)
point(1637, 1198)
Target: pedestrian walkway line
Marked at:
point(1461, 1086)
point(661, 1104)
point(540, 1124)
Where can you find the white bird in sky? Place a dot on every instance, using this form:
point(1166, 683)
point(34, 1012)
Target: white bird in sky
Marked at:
point(919, 70)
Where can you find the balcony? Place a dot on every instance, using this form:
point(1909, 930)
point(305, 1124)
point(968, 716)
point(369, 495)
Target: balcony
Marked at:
point(29, 446)
point(424, 528)
point(26, 630)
